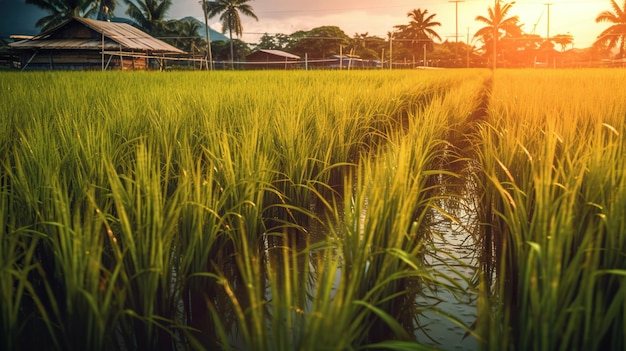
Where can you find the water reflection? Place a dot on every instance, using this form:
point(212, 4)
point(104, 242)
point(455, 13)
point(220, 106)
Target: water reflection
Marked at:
point(453, 256)
point(437, 314)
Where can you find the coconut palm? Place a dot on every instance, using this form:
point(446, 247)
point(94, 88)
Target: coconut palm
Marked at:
point(62, 10)
point(359, 45)
point(187, 35)
point(419, 30)
point(149, 15)
point(497, 26)
point(205, 11)
point(615, 35)
point(105, 9)
point(229, 11)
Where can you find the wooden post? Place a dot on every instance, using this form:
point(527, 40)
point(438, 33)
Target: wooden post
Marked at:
point(390, 51)
point(340, 57)
point(103, 50)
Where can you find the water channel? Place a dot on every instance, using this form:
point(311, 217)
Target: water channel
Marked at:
point(454, 260)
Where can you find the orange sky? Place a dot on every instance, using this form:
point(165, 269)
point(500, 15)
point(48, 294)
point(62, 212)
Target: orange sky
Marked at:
point(377, 17)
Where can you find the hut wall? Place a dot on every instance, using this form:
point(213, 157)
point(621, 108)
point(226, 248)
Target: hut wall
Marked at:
point(72, 60)
point(62, 60)
point(133, 63)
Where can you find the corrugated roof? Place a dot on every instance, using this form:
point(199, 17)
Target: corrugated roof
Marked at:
point(47, 43)
point(118, 34)
point(280, 53)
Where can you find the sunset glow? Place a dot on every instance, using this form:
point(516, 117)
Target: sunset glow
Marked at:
point(314, 175)
point(377, 18)
point(576, 17)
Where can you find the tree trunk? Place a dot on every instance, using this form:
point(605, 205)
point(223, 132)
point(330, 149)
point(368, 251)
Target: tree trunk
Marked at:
point(208, 37)
point(232, 56)
point(495, 46)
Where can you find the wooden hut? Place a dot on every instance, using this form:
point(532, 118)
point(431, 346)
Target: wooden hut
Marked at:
point(87, 44)
point(271, 59)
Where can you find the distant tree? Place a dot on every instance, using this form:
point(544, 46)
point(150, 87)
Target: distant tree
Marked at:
point(374, 47)
point(274, 42)
point(498, 26)
point(444, 53)
point(187, 38)
point(221, 49)
point(419, 30)
point(522, 51)
point(453, 54)
point(149, 15)
point(62, 10)
point(105, 9)
point(267, 42)
point(228, 11)
point(615, 35)
point(366, 46)
point(587, 57)
point(563, 40)
point(319, 42)
point(358, 42)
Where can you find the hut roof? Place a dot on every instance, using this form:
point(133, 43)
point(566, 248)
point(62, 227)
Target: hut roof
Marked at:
point(280, 54)
point(118, 36)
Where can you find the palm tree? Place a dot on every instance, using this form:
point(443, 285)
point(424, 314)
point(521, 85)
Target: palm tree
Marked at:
point(359, 41)
point(498, 25)
point(205, 10)
point(187, 35)
point(105, 9)
point(62, 10)
point(149, 15)
point(229, 15)
point(615, 35)
point(419, 30)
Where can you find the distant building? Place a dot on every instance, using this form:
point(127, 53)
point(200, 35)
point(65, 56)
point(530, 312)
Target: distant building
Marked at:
point(272, 59)
point(87, 44)
point(352, 62)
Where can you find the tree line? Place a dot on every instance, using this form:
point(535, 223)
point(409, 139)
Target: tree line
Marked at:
point(500, 42)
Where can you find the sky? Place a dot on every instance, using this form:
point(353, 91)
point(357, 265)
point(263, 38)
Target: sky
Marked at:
point(376, 17)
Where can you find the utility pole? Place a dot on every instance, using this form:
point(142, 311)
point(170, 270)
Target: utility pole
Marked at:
point(548, 4)
point(468, 47)
point(456, 4)
point(390, 51)
point(456, 35)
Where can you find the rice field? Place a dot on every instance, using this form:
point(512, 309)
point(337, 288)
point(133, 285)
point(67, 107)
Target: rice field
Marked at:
point(313, 210)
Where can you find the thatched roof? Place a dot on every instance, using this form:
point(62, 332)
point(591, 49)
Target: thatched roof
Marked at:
point(100, 35)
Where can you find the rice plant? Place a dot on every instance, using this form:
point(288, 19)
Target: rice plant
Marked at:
point(559, 280)
point(294, 210)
